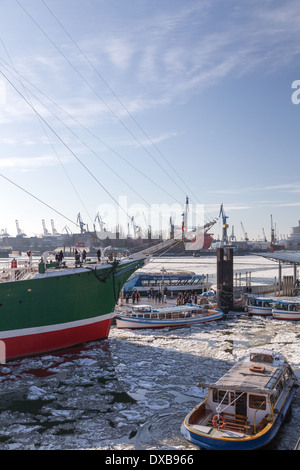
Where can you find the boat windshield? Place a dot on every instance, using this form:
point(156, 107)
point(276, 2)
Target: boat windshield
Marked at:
point(142, 308)
point(261, 357)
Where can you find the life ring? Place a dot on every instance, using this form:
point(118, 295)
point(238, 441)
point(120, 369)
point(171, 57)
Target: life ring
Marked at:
point(259, 369)
point(218, 421)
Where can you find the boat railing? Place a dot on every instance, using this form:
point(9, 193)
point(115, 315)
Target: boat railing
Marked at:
point(262, 423)
point(235, 422)
point(24, 268)
point(21, 272)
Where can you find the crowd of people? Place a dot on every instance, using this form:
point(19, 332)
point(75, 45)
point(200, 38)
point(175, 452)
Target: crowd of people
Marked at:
point(156, 295)
point(187, 298)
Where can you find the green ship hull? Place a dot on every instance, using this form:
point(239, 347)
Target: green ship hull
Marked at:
point(60, 307)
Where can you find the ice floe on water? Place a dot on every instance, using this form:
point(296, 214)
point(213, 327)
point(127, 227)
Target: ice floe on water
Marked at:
point(132, 390)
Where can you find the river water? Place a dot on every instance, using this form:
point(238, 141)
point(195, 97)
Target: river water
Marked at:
point(132, 391)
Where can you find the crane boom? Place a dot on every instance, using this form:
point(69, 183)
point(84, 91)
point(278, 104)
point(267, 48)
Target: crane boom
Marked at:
point(245, 233)
point(224, 225)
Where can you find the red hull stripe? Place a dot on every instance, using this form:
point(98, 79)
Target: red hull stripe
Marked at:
point(56, 327)
point(41, 340)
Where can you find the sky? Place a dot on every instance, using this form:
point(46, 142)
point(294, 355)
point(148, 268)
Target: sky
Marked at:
point(123, 108)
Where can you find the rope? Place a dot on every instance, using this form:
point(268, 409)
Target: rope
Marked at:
point(106, 276)
point(218, 408)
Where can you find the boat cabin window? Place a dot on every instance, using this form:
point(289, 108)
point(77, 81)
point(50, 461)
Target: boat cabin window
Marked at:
point(285, 379)
point(260, 357)
point(280, 386)
point(219, 396)
point(257, 401)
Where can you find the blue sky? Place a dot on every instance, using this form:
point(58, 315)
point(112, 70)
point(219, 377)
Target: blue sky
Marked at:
point(149, 101)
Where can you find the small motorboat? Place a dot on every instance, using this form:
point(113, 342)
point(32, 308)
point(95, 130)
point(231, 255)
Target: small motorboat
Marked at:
point(245, 408)
point(286, 310)
point(259, 305)
point(144, 316)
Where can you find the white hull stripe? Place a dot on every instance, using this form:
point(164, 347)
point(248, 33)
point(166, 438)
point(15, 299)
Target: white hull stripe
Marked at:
point(57, 327)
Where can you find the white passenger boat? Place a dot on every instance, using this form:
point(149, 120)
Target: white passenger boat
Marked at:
point(259, 305)
point(144, 316)
point(286, 310)
point(245, 408)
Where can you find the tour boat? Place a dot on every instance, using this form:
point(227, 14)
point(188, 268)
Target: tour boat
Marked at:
point(245, 408)
point(167, 282)
point(259, 305)
point(144, 316)
point(286, 310)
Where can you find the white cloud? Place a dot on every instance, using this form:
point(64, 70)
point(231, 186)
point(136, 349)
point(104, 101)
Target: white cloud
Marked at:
point(288, 204)
point(28, 163)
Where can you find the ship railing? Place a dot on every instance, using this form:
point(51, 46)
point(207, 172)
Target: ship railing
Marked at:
point(24, 270)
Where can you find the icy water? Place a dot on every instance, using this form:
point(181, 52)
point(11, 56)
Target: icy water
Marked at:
point(132, 391)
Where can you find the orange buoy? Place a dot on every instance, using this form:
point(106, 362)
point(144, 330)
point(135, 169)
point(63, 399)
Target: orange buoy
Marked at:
point(218, 421)
point(259, 369)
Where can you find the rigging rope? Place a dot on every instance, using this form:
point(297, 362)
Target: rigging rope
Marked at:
point(121, 103)
point(38, 199)
point(64, 143)
point(91, 150)
point(26, 90)
point(97, 94)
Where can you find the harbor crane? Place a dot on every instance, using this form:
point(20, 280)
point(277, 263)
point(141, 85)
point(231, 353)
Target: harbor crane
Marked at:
point(54, 231)
point(224, 225)
point(245, 233)
point(232, 236)
point(81, 223)
point(172, 227)
point(185, 215)
point(148, 227)
point(135, 227)
point(68, 231)
point(265, 238)
point(45, 231)
point(4, 233)
point(19, 231)
point(272, 232)
point(100, 221)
